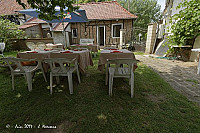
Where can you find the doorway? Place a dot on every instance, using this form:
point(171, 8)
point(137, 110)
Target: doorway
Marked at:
point(101, 35)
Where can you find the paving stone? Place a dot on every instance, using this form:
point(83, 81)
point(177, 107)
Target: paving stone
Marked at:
point(182, 76)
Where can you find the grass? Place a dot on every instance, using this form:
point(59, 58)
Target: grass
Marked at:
point(193, 81)
point(139, 53)
point(12, 53)
point(156, 107)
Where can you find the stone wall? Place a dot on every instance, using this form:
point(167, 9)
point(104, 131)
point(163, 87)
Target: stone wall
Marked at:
point(151, 36)
point(59, 38)
point(20, 44)
point(34, 31)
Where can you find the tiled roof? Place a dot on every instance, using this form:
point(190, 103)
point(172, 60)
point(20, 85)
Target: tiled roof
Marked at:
point(8, 7)
point(35, 20)
point(32, 22)
point(106, 11)
point(59, 26)
point(94, 10)
point(25, 26)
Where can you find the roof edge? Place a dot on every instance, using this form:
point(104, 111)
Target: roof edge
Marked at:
point(96, 2)
point(111, 19)
point(126, 10)
point(90, 3)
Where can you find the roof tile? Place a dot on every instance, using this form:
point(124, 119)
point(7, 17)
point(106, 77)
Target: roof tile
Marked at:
point(8, 7)
point(105, 11)
point(25, 26)
point(35, 20)
point(59, 26)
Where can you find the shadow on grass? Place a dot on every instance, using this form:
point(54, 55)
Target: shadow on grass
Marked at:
point(90, 109)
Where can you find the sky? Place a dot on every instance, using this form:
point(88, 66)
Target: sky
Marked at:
point(162, 3)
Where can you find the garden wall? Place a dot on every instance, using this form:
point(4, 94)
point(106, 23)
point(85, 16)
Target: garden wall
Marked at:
point(20, 44)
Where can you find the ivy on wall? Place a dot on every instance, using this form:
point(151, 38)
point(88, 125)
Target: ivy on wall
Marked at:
point(186, 24)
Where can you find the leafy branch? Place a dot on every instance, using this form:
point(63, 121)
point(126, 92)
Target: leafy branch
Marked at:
point(8, 31)
point(46, 8)
point(186, 24)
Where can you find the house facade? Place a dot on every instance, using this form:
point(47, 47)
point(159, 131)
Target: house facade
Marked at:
point(170, 10)
point(8, 8)
point(103, 32)
point(106, 19)
point(35, 29)
point(53, 33)
point(162, 30)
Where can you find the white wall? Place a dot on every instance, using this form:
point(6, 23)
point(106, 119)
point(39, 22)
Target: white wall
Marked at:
point(33, 31)
point(45, 25)
point(170, 11)
point(59, 38)
point(175, 4)
point(151, 36)
point(68, 29)
point(195, 55)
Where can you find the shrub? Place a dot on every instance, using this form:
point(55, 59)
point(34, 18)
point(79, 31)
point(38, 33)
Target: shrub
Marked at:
point(8, 31)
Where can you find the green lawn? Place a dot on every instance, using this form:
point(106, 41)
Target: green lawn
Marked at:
point(156, 107)
point(139, 53)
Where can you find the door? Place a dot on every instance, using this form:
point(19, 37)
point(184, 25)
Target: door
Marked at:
point(101, 35)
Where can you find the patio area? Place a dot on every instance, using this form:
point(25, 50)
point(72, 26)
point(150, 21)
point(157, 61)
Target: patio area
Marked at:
point(182, 76)
point(156, 106)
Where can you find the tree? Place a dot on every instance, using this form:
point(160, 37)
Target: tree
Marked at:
point(46, 8)
point(186, 24)
point(8, 31)
point(147, 11)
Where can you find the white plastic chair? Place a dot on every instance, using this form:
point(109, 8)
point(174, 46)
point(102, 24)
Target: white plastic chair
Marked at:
point(86, 41)
point(62, 70)
point(41, 45)
point(27, 71)
point(2, 47)
point(120, 70)
point(32, 46)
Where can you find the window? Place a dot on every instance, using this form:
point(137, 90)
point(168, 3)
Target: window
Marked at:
point(45, 32)
point(74, 33)
point(116, 30)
